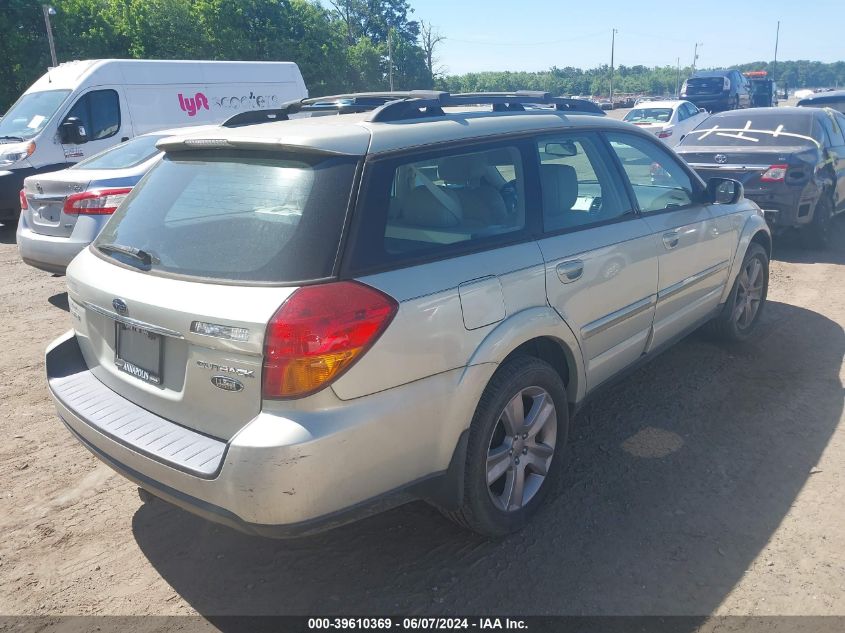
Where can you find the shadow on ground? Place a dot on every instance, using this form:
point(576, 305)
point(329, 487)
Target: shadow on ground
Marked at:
point(791, 246)
point(677, 478)
point(59, 300)
point(7, 233)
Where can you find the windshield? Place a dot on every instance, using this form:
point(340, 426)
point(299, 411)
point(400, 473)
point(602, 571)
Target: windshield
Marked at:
point(128, 154)
point(28, 116)
point(649, 115)
point(257, 216)
point(753, 130)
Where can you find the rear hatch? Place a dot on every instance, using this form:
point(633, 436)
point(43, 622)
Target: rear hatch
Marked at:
point(172, 300)
point(705, 86)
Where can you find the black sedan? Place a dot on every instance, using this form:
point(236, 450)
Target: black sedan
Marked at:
point(791, 162)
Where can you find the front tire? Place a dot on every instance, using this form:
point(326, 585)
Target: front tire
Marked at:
point(741, 312)
point(515, 449)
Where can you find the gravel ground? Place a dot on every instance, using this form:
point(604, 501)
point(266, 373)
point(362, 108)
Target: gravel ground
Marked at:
point(708, 482)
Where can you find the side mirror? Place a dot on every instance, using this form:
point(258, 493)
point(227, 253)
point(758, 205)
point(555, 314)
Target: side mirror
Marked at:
point(724, 191)
point(72, 131)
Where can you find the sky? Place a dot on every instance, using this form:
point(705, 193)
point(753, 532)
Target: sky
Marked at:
point(538, 34)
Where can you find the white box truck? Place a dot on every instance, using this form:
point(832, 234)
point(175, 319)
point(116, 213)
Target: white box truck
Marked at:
point(80, 108)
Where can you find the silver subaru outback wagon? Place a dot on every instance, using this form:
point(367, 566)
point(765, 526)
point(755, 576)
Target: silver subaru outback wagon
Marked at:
point(294, 322)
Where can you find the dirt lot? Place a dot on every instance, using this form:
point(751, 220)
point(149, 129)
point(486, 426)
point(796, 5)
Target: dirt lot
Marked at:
point(711, 481)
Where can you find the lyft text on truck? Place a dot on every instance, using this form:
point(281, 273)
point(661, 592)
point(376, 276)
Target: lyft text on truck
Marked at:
point(81, 108)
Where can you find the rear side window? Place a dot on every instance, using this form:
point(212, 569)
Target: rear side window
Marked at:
point(99, 111)
point(831, 127)
point(235, 216)
point(123, 156)
point(440, 204)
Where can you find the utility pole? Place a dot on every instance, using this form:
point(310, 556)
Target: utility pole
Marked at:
point(48, 11)
point(775, 63)
point(695, 55)
point(612, 49)
point(678, 81)
point(390, 57)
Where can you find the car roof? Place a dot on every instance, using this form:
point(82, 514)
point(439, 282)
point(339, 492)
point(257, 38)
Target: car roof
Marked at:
point(821, 96)
point(356, 134)
point(711, 73)
point(786, 111)
point(666, 103)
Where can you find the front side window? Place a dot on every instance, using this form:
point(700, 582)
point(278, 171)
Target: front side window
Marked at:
point(658, 180)
point(576, 184)
point(446, 203)
point(99, 112)
point(28, 116)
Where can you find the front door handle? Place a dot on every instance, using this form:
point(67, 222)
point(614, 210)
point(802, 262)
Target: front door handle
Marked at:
point(671, 239)
point(570, 271)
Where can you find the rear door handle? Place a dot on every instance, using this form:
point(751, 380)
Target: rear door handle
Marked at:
point(570, 271)
point(671, 239)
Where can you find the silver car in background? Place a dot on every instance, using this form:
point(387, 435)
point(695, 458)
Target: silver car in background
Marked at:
point(63, 211)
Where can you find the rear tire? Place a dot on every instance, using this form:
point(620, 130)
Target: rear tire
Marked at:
point(818, 232)
point(741, 312)
point(515, 451)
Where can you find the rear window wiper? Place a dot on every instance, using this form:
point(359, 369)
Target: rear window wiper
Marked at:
point(147, 259)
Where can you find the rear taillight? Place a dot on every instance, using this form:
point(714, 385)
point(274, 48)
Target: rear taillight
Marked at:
point(96, 202)
point(24, 203)
point(664, 134)
point(318, 333)
point(775, 173)
point(726, 84)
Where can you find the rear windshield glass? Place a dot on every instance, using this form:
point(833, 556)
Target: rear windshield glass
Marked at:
point(753, 130)
point(649, 115)
point(123, 156)
point(231, 215)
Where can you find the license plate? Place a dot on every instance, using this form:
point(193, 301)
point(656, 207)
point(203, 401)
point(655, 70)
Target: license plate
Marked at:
point(138, 352)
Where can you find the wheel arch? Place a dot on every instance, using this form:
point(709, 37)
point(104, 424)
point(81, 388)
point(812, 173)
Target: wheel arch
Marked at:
point(542, 333)
point(755, 230)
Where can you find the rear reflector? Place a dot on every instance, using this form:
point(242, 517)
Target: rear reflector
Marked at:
point(24, 204)
point(319, 333)
point(95, 202)
point(775, 173)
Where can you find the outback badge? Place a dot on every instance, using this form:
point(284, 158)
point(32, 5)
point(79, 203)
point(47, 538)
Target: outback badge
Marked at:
point(227, 384)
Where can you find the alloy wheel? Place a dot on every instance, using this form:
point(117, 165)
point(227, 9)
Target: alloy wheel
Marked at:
point(749, 295)
point(521, 448)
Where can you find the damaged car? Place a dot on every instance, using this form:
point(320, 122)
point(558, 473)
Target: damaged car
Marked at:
point(791, 162)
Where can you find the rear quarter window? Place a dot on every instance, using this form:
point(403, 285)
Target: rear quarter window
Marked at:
point(441, 204)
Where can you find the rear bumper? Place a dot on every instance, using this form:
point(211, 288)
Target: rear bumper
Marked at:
point(53, 254)
point(785, 209)
point(721, 101)
point(277, 476)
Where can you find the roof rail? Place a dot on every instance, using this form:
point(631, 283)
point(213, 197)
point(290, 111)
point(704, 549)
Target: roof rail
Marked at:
point(429, 103)
point(412, 104)
point(340, 104)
